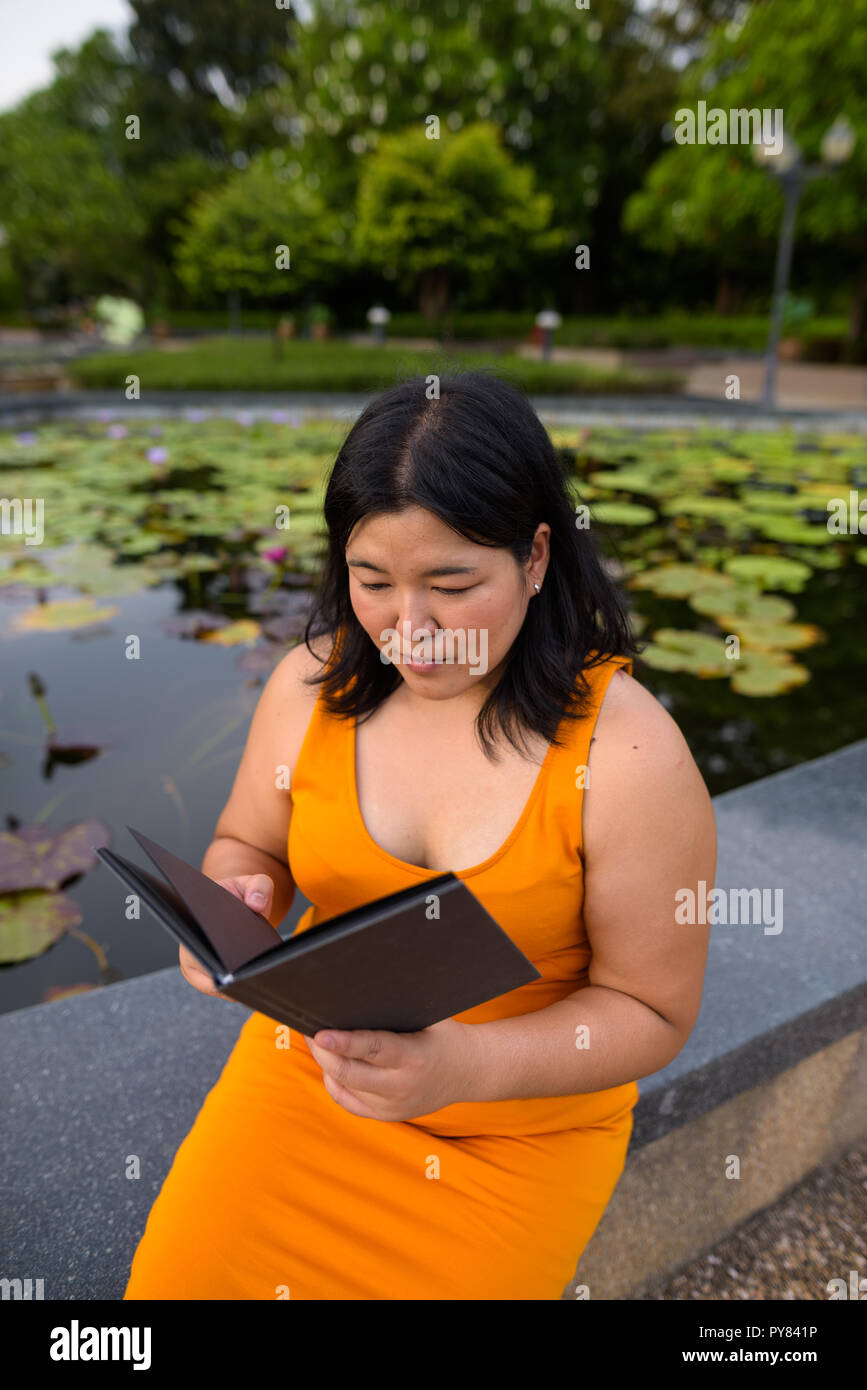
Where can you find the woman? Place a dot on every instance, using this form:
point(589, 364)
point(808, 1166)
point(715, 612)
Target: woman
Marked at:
point(471, 1160)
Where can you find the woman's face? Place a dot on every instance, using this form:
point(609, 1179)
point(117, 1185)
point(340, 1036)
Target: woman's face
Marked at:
point(442, 609)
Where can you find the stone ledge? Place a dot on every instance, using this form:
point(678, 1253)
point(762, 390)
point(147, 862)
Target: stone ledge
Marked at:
point(124, 1070)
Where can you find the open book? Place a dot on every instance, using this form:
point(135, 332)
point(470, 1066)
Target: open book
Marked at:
point(401, 963)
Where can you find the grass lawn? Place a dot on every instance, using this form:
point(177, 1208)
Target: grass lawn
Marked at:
point(249, 364)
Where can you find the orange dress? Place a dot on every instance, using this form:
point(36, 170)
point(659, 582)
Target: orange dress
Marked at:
point(279, 1192)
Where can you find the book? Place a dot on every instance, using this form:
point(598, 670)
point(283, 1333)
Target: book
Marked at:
point(401, 962)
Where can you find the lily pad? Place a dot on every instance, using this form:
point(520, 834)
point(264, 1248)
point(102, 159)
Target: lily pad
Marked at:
point(627, 480)
point(719, 509)
point(768, 635)
point(794, 531)
point(761, 674)
point(92, 569)
point(679, 581)
point(27, 572)
point(730, 606)
point(769, 571)
point(63, 614)
point(33, 857)
point(622, 514)
point(31, 922)
point(673, 649)
point(245, 630)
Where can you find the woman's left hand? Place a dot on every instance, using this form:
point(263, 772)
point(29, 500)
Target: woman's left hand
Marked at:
point(396, 1076)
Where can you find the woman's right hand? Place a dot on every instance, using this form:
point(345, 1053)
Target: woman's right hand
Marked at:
point(244, 887)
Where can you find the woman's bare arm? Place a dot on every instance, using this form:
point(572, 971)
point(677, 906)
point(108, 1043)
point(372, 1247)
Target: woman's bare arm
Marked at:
point(252, 830)
point(649, 832)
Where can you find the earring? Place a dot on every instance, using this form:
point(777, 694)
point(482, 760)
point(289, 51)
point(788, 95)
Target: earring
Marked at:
point(536, 587)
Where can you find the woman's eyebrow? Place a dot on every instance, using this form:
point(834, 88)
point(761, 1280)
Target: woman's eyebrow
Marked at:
point(425, 574)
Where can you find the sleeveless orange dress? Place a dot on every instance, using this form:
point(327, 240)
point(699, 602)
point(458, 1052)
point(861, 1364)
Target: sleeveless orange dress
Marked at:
point(278, 1192)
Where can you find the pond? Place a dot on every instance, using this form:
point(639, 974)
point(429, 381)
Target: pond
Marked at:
point(137, 636)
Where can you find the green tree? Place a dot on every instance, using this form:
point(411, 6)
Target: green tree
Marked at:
point(205, 73)
point(580, 96)
point(230, 241)
point(72, 223)
point(807, 60)
point(453, 210)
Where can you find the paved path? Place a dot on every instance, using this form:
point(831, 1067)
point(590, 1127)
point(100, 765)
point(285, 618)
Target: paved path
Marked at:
point(815, 1232)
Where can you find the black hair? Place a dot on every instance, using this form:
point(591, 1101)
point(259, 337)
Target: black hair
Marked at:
point(479, 458)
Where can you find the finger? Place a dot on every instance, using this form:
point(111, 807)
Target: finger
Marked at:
point(257, 891)
point(374, 1046)
point(348, 1099)
point(354, 1075)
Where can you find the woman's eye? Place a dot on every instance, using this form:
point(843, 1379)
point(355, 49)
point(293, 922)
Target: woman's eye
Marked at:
point(374, 588)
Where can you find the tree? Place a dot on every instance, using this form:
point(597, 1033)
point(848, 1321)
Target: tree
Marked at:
point(580, 96)
point(808, 61)
point(240, 237)
point(72, 224)
point(453, 210)
point(204, 71)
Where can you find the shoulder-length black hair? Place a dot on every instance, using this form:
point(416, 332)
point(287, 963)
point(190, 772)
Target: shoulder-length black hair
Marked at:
point(479, 458)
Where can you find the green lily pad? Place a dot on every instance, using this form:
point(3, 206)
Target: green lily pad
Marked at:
point(761, 674)
point(245, 630)
point(698, 653)
point(679, 581)
point(759, 501)
point(861, 555)
point(27, 572)
point(627, 480)
point(829, 559)
point(63, 614)
point(31, 922)
point(719, 509)
point(33, 857)
point(794, 531)
point(92, 568)
point(622, 514)
point(768, 635)
point(768, 571)
point(728, 607)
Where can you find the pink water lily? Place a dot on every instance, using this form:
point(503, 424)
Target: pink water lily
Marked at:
point(157, 455)
point(276, 554)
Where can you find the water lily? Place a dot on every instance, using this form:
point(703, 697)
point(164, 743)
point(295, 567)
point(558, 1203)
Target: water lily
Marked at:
point(276, 554)
point(195, 417)
point(26, 437)
point(157, 455)
point(117, 431)
point(244, 417)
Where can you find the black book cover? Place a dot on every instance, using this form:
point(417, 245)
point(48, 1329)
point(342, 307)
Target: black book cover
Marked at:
point(401, 962)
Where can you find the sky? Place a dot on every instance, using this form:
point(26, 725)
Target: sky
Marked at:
point(33, 29)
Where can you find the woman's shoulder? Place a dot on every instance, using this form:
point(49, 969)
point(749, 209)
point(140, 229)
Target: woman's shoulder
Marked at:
point(637, 744)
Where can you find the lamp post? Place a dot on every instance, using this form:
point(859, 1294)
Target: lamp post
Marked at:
point(378, 317)
point(789, 167)
point(547, 320)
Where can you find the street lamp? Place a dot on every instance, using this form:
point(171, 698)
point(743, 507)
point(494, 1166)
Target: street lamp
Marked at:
point(378, 316)
point(788, 166)
point(548, 320)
